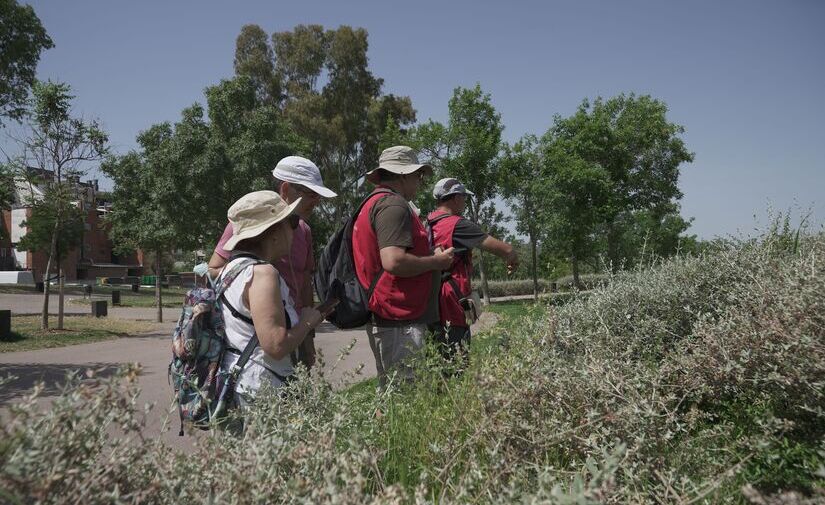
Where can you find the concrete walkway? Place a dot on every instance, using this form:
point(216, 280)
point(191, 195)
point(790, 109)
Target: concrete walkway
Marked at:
point(152, 352)
point(30, 304)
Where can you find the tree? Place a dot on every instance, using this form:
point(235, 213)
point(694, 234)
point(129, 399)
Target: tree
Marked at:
point(186, 175)
point(59, 147)
point(575, 194)
point(255, 59)
point(7, 193)
point(231, 154)
point(630, 138)
point(140, 216)
point(60, 217)
point(467, 148)
point(655, 232)
point(334, 102)
point(22, 39)
point(521, 179)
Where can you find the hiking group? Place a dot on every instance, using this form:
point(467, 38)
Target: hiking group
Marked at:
point(400, 275)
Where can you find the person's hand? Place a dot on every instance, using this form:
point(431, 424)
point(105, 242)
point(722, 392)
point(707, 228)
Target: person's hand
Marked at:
point(444, 258)
point(310, 317)
point(512, 262)
point(308, 350)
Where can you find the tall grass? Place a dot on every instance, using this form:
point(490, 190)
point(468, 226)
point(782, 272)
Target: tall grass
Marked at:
point(697, 380)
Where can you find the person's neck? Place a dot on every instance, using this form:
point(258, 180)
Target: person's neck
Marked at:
point(448, 210)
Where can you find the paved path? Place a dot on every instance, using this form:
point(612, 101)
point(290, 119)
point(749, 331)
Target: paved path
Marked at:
point(152, 351)
point(22, 304)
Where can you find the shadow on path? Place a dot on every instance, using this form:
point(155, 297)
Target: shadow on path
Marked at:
point(54, 376)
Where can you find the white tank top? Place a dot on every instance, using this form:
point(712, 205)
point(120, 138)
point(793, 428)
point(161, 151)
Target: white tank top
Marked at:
point(239, 332)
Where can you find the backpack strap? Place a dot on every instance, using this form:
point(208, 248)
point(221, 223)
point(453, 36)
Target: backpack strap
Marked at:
point(448, 278)
point(227, 278)
point(430, 223)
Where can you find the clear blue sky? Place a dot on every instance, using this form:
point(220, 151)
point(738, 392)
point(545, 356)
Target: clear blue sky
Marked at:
point(745, 78)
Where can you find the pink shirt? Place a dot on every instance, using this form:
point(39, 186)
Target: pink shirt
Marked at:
point(293, 268)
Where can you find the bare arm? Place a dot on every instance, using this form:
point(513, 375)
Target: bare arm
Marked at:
point(216, 263)
point(267, 309)
point(397, 261)
point(501, 249)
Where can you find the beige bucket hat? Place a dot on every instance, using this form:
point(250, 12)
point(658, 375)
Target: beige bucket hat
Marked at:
point(254, 213)
point(398, 160)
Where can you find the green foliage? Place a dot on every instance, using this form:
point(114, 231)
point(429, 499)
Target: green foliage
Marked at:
point(629, 157)
point(333, 100)
point(22, 39)
point(255, 59)
point(56, 214)
point(576, 193)
point(698, 380)
point(55, 153)
point(62, 143)
point(466, 148)
point(174, 192)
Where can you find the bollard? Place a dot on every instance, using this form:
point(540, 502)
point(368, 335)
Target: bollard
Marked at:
point(135, 288)
point(5, 324)
point(115, 297)
point(99, 308)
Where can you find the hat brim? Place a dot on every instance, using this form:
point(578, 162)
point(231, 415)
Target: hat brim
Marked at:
point(372, 175)
point(321, 190)
point(254, 231)
point(466, 192)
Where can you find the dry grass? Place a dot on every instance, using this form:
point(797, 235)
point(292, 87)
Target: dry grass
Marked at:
point(27, 335)
point(697, 380)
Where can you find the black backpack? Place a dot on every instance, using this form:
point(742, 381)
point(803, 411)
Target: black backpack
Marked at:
point(335, 277)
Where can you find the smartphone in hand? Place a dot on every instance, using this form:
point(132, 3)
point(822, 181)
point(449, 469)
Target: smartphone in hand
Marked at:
point(327, 306)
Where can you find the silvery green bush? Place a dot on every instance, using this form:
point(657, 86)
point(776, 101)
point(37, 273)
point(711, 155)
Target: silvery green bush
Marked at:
point(696, 380)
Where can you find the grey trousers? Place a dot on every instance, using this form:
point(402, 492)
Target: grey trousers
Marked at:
point(394, 347)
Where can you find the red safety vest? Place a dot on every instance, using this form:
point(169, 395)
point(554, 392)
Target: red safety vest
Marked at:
point(394, 298)
point(461, 270)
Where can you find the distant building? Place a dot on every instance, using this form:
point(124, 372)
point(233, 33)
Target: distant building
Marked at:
point(95, 256)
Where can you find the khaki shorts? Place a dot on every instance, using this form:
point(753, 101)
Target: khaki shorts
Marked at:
point(394, 347)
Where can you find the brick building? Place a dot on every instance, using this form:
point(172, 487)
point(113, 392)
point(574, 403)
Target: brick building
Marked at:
point(94, 258)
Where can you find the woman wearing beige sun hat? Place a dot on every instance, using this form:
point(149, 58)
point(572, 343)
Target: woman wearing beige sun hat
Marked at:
point(256, 303)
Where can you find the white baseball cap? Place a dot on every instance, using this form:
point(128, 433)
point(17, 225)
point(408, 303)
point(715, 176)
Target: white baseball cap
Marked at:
point(298, 170)
point(449, 186)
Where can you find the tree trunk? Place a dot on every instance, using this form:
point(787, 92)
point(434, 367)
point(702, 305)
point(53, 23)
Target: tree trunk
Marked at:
point(613, 238)
point(576, 281)
point(534, 270)
point(475, 206)
point(60, 289)
point(485, 289)
point(44, 317)
point(158, 295)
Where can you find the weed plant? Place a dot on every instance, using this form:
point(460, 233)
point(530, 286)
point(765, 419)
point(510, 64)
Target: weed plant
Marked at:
point(694, 380)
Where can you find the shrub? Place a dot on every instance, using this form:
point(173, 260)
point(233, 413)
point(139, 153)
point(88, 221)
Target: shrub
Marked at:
point(697, 380)
point(514, 287)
